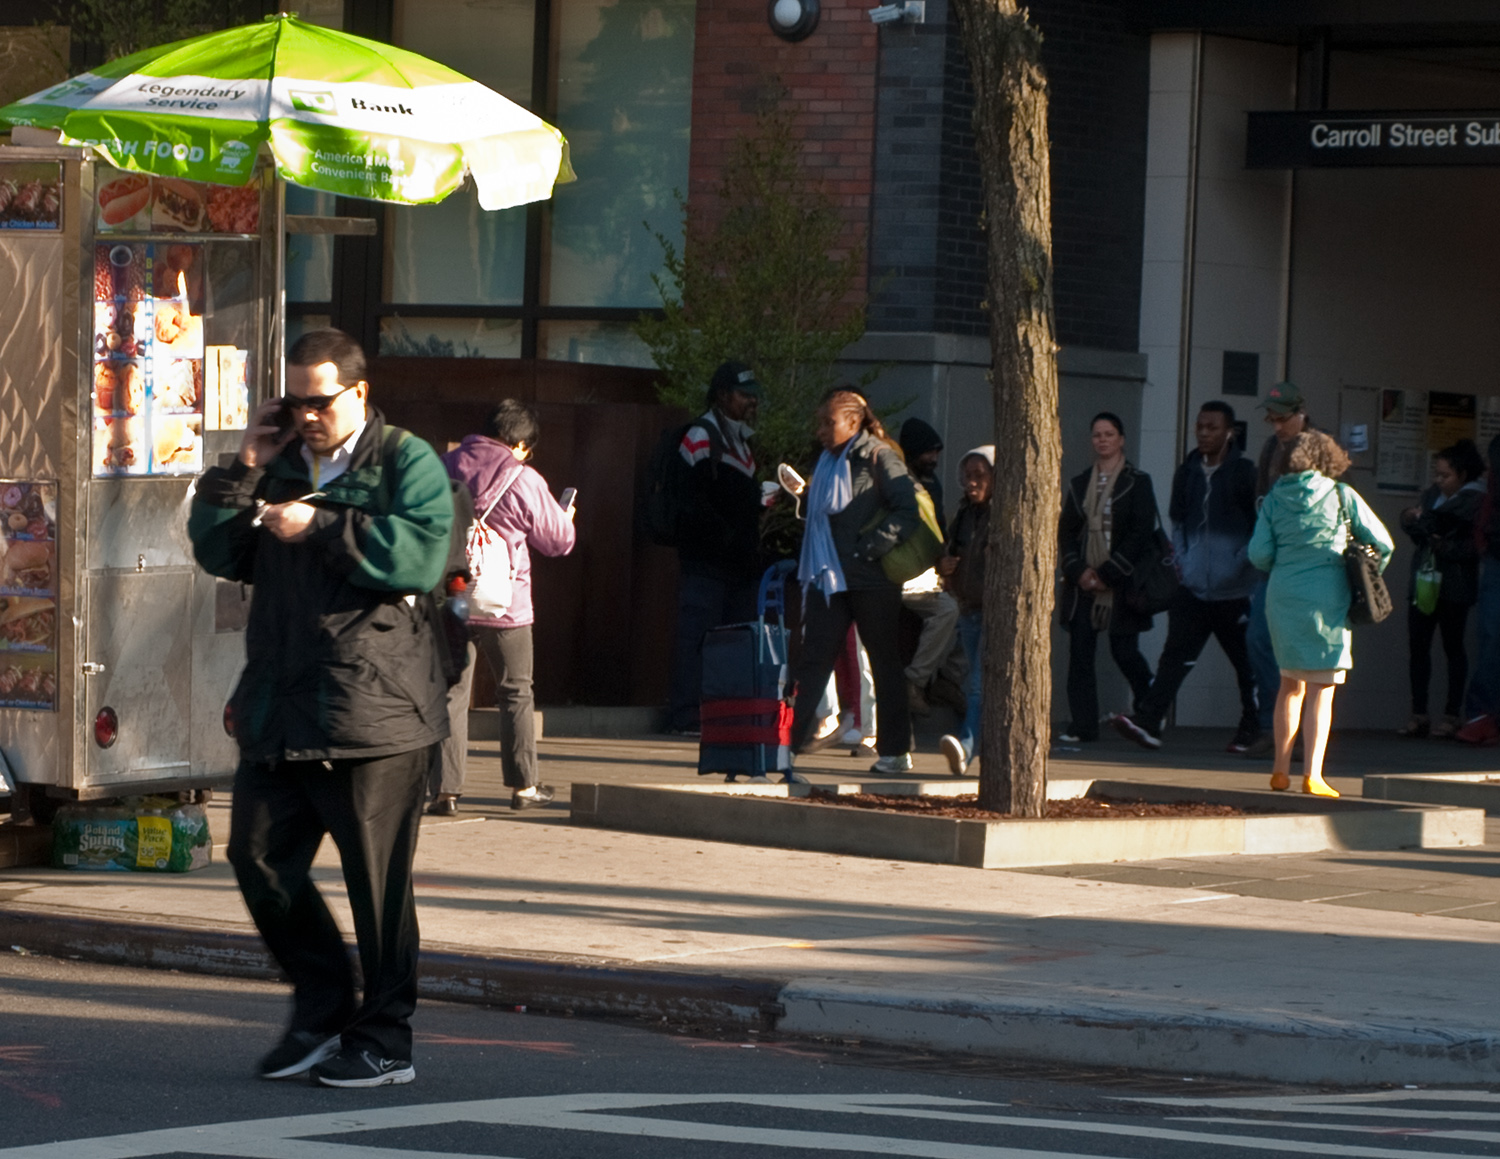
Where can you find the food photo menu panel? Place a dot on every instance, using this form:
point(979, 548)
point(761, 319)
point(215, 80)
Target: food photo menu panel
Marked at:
point(28, 594)
point(148, 358)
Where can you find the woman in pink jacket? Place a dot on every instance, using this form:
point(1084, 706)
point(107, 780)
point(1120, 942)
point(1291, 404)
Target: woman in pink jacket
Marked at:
point(529, 519)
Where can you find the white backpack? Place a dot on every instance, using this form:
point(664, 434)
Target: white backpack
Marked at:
point(494, 572)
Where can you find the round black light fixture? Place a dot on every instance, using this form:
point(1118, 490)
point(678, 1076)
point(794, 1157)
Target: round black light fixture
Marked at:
point(792, 19)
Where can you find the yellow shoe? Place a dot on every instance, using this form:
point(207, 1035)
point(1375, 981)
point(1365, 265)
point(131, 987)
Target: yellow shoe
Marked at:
point(1280, 782)
point(1318, 787)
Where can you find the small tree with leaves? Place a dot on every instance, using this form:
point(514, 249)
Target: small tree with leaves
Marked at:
point(770, 279)
point(115, 28)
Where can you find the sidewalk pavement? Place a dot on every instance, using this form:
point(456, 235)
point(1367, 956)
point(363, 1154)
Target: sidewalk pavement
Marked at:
point(1345, 968)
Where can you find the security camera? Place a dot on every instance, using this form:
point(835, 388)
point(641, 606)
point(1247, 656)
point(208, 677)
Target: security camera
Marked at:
point(911, 11)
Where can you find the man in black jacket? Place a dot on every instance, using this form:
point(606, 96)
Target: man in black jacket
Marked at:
point(1213, 516)
point(341, 526)
point(718, 536)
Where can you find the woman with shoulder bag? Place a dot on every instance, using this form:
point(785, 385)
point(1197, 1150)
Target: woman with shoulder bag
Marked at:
point(1107, 528)
point(861, 503)
point(1303, 527)
point(1444, 581)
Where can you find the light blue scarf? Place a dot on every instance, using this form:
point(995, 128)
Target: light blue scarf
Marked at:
point(828, 494)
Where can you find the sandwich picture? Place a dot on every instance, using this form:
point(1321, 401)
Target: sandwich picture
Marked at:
point(177, 205)
point(26, 621)
point(27, 564)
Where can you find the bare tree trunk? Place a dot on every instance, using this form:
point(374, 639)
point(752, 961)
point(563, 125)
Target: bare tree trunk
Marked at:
point(1010, 130)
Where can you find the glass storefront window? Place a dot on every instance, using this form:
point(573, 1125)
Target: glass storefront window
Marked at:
point(309, 257)
point(624, 94)
point(454, 253)
point(299, 324)
point(609, 343)
point(450, 337)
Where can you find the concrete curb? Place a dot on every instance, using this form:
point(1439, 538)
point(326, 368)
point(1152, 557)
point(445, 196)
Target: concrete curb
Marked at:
point(560, 986)
point(1243, 1045)
point(1471, 790)
point(763, 814)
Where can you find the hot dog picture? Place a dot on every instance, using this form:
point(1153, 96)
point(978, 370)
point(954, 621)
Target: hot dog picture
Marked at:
point(122, 199)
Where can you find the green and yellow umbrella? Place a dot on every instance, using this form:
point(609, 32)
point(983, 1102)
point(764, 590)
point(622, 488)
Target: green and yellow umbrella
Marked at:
point(340, 113)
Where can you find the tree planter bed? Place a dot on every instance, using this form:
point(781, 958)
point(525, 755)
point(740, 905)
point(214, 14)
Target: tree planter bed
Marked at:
point(763, 815)
point(1473, 790)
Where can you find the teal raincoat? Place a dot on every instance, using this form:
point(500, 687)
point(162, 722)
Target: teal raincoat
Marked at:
point(1299, 538)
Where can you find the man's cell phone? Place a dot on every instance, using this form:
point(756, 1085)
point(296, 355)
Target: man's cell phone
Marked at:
point(565, 500)
point(282, 418)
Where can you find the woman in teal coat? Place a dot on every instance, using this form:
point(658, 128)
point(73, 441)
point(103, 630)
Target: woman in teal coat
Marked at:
point(1299, 538)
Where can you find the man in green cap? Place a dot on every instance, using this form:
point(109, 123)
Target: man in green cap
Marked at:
point(1284, 409)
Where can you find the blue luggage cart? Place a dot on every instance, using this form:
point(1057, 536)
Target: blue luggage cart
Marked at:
point(745, 714)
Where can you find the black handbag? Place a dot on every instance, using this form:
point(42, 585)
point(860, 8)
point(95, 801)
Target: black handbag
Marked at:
point(1369, 598)
point(1154, 582)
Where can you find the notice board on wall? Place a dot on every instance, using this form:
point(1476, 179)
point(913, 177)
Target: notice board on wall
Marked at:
point(1415, 424)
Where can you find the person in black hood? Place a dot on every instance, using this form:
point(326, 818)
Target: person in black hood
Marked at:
point(937, 668)
point(922, 445)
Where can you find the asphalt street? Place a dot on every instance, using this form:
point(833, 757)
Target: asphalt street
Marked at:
point(100, 1062)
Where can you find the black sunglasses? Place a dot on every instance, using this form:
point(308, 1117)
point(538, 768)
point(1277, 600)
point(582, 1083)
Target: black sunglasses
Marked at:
point(313, 402)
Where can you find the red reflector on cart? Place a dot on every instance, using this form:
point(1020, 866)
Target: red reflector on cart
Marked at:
point(229, 719)
point(106, 727)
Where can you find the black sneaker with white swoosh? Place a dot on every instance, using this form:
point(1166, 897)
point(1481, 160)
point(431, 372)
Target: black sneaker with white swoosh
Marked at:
point(360, 1068)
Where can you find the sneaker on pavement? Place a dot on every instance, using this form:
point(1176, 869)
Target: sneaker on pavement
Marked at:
point(360, 1068)
point(900, 764)
point(543, 795)
point(953, 752)
point(297, 1053)
point(1262, 746)
point(1245, 736)
point(1481, 730)
point(793, 778)
point(1133, 730)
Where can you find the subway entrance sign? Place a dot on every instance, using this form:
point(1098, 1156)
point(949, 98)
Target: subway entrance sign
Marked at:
point(1349, 138)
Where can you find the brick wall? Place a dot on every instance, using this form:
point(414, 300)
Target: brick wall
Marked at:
point(927, 255)
point(829, 78)
point(1098, 67)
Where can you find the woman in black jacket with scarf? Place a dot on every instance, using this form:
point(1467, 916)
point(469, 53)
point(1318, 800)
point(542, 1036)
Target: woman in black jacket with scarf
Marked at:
point(1107, 528)
point(860, 503)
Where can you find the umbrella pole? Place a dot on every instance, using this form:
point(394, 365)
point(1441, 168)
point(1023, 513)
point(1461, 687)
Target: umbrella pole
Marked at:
point(278, 321)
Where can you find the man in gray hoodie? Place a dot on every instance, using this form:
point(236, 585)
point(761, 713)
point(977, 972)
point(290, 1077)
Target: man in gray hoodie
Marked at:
point(1213, 516)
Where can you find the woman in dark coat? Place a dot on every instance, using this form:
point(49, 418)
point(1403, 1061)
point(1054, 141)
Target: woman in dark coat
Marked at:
point(1107, 528)
point(1442, 526)
point(861, 502)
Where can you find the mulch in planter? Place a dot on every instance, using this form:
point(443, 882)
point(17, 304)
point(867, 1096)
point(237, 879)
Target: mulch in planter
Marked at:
point(967, 807)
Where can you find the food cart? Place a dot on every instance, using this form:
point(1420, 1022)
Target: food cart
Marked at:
point(143, 327)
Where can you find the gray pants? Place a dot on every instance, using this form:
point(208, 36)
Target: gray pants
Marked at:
point(938, 646)
point(508, 653)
